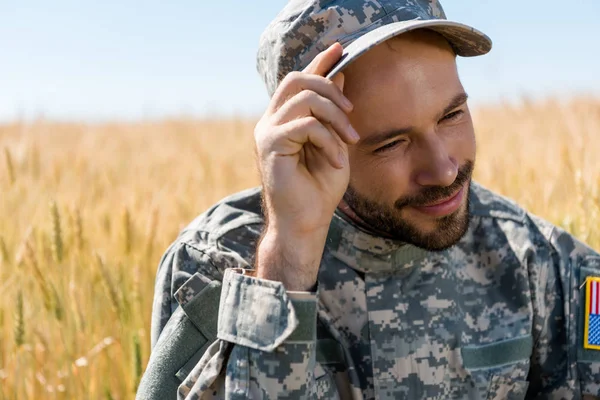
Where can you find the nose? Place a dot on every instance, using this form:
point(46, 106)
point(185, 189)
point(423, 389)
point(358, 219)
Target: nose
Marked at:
point(435, 166)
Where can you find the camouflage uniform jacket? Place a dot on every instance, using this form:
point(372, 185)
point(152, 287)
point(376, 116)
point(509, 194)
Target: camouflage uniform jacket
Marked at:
point(499, 315)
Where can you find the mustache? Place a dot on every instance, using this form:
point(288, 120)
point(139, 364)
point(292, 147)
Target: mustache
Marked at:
point(436, 193)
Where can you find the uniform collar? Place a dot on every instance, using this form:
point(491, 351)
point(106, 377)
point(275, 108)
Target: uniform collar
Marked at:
point(367, 252)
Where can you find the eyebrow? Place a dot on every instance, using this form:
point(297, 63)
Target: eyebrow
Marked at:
point(456, 101)
point(378, 138)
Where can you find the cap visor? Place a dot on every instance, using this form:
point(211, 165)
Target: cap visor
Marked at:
point(465, 40)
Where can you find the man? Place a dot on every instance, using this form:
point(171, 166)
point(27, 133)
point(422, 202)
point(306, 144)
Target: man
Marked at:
point(369, 265)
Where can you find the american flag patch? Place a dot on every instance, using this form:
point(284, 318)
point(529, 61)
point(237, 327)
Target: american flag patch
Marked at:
point(591, 338)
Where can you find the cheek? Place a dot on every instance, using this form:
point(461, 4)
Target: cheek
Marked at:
point(382, 178)
point(468, 139)
point(460, 142)
point(469, 146)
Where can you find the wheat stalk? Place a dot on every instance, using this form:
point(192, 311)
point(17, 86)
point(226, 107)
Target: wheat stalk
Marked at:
point(56, 233)
point(137, 361)
point(151, 232)
point(10, 168)
point(108, 284)
point(19, 321)
point(3, 251)
point(581, 204)
point(38, 275)
point(20, 256)
point(34, 160)
point(126, 230)
point(78, 230)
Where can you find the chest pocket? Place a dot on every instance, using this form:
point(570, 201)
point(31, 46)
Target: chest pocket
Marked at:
point(498, 370)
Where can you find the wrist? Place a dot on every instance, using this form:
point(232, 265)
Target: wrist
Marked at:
point(289, 238)
point(304, 232)
point(291, 259)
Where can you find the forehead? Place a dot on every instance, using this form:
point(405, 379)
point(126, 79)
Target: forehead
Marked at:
point(408, 75)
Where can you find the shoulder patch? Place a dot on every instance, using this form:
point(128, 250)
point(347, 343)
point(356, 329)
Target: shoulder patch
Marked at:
point(591, 334)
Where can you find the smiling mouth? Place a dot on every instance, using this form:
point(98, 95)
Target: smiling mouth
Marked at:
point(443, 207)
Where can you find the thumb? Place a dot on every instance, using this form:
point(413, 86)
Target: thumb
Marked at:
point(325, 60)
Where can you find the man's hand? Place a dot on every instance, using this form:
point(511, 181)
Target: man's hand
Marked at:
point(301, 144)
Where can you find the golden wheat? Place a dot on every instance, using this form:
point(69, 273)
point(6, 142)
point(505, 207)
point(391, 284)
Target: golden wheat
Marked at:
point(57, 241)
point(10, 170)
point(76, 283)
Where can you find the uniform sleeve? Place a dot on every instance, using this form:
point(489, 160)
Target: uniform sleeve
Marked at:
point(563, 367)
point(178, 264)
point(227, 335)
point(266, 344)
point(161, 305)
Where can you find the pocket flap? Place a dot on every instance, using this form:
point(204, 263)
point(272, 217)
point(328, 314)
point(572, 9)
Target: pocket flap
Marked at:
point(497, 353)
point(199, 298)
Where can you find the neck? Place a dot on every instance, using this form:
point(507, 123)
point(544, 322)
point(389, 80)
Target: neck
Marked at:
point(353, 242)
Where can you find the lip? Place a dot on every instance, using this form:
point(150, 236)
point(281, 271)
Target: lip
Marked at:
point(444, 207)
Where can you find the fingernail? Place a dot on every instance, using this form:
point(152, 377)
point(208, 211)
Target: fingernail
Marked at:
point(353, 132)
point(342, 158)
point(347, 102)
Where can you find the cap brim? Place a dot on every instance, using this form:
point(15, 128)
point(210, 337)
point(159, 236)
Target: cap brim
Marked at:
point(465, 40)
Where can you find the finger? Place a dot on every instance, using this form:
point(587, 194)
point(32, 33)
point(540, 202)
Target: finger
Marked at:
point(325, 60)
point(338, 80)
point(310, 130)
point(296, 82)
point(309, 103)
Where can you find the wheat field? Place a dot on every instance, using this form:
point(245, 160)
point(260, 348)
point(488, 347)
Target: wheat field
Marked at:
point(86, 211)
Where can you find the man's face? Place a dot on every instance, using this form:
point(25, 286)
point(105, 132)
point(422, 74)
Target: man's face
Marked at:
point(411, 169)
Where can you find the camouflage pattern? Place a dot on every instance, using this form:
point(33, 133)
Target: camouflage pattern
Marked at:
point(497, 316)
point(304, 28)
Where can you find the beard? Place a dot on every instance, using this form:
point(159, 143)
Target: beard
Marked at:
point(386, 219)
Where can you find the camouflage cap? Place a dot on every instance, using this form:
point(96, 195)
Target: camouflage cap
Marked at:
point(304, 28)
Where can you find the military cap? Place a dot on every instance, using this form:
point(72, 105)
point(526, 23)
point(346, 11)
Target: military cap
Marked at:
point(304, 28)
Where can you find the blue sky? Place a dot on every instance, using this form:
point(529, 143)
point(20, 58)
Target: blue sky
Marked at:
point(103, 60)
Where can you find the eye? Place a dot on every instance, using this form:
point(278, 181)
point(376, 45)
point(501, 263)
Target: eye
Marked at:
point(389, 146)
point(452, 116)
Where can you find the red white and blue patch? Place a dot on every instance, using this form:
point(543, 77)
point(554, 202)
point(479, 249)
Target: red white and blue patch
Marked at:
point(591, 337)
